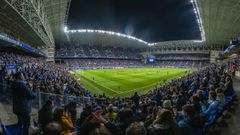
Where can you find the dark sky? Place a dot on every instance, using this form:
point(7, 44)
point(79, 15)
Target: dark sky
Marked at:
point(150, 20)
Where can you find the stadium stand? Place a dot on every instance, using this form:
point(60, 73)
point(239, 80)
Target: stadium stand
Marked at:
point(97, 51)
point(102, 63)
point(199, 98)
point(186, 68)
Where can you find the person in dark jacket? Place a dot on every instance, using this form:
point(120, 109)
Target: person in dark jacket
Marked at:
point(22, 95)
point(136, 99)
point(45, 114)
point(72, 108)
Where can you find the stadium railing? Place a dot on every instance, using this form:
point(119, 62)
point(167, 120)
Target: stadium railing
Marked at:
point(42, 97)
point(7, 114)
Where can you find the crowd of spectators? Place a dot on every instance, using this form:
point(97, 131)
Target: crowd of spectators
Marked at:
point(185, 106)
point(182, 107)
point(173, 57)
point(115, 63)
point(179, 63)
point(102, 63)
point(98, 51)
point(46, 77)
point(192, 58)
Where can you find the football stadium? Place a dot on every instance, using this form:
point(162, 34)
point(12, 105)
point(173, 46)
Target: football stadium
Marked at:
point(119, 67)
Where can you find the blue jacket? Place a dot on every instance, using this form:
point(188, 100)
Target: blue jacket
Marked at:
point(22, 96)
point(213, 108)
point(188, 130)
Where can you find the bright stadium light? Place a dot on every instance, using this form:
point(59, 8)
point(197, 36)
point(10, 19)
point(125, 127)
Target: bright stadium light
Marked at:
point(199, 20)
point(109, 33)
point(65, 29)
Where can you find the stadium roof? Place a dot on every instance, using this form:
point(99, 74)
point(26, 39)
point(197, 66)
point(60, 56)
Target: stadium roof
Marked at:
point(221, 20)
point(26, 20)
point(103, 38)
point(149, 20)
point(218, 22)
point(57, 13)
point(37, 22)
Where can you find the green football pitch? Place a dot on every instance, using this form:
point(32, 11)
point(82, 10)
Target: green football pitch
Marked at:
point(124, 82)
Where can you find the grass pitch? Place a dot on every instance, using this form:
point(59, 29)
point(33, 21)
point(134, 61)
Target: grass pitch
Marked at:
point(124, 82)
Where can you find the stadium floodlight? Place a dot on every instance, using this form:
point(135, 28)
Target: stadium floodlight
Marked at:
point(65, 29)
point(198, 41)
point(110, 33)
point(199, 19)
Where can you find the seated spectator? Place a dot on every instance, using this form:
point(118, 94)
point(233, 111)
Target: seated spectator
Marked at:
point(228, 86)
point(52, 128)
point(221, 97)
point(196, 104)
point(192, 124)
point(126, 117)
point(97, 124)
point(57, 114)
point(72, 108)
point(87, 111)
point(111, 114)
point(164, 124)
point(213, 104)
point(167, 104)
point(136, 128)
point(66, 122)
point(101, 130)
point(45, 114)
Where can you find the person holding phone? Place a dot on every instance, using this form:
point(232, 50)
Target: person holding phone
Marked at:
point(22, 95)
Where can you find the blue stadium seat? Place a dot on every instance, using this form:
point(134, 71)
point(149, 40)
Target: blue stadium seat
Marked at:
point(230, 98)
point(14, 129)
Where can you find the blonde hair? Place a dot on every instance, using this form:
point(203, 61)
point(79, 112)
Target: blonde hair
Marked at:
point(136, 128)
point(163, 116)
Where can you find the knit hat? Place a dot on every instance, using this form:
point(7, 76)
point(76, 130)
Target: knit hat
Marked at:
point(167, 104)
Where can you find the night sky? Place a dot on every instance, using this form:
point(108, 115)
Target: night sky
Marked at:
point(150, 20)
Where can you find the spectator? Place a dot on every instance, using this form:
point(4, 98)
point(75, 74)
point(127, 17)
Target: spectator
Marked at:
point(136, 128)
point(136, 99)
point(228, 90)
point(164, 124)
point(233, 69)
point(45, 114)
point(57, 114)
point(72, 108)
point(192, 124)
point(22, 96)
point(221, 97)
point(52, 128)
point(213, 106)
point(66, 122)
point(111, 114)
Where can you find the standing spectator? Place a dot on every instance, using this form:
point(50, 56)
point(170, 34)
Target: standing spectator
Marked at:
point(136, 99)
point(22, 96)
